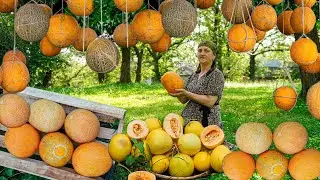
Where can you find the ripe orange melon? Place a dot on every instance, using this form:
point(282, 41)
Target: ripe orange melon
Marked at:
point(16, 76)
point(304, 51)
point(128, 5)
point(7, 6)
point(212, 136)
point(264, 17)
point(141, 175)
point(205, 4)
point(297, 20)
point(259, 34)
point(82, 125)
point(22, 141)
point(308, 3)
point(47, 9)
point(120, 35)
point(241, 38)
point(274, 2)
point(285, 97)
point(171, 81)
point(81, 7)
point(239, 11)
point(162, 45)
point(14, 110)
point(312, 68)
point(283, 22)
point(91, 159)
point(48, 49)
point(313, 100)
point(1, 75)
point(290, 137)
point(46, 116)
point(89, 35)
point(55, 149)
point(14, 55)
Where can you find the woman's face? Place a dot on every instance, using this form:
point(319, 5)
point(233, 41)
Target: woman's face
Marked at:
point(205, 55)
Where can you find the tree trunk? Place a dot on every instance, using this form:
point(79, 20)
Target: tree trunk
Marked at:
point(139, 63)
point(47, 78)
point(156, 69)
point(101, 77)
point(252, 68)
point(125, 66)
point(307, 79)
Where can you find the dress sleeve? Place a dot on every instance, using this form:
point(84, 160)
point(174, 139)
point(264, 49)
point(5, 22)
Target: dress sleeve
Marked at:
point(215, 85)
point(187, 82)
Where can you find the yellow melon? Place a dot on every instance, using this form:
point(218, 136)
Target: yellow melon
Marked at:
point(313, 100)
point(153, 123)
point(159, 142)
point(159, 163)
point(202, 161)
point(194, 127)
point(181, 165)
point(119, 147)
point(189, 144)
point(217, 156)
point(304, 51)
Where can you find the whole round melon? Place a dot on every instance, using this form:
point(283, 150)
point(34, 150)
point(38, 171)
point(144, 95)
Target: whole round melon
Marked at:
point(290, 137)
point(241, 38)
point(153, 123)
point(194, 127)
point(239, 10)
point(274, 2)
point(304, 51)
point(253, 138)
point(189, 144)
point(308, 3)
point(312, 68)
point(179, 18)
point(181, 165)
point(46, 9)
point(14, 55)
point(137, 129)
point(264, 17)
point(31, 23)
point(283, 22)
point(238, 165)
point(173, 125)
point(162, 45)
point(165, 4)
point(48, 49)
point(141, 175)
point(124, 35)
point(63, 30)
point(91, 159)
point(159, 142)
point(128, 5)
point(119, 147)
point(22, 141)
point(16, 76)
point(7, 6)
point(81, 44)
point(202, 161)
point(56, 149)
point(205, 4)
point(300, 24)
point(102, 55)
point(81, 7)
point(46, 116)
point(82, 125)
point(313, 100)
point(217, 156)
point(171, 81)
point(160, 163)
point(272, 165)
point(305, 164)
point(14, 110)
point(285, 97)
point(212, 136)
point(259, 34)
point(147, 26)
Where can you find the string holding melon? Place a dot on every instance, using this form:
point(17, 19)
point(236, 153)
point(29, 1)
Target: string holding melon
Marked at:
point(123, 36)
point(284, 22)
point(241, 38)
point(303, 20)
point(81, 7)
point(236, 11)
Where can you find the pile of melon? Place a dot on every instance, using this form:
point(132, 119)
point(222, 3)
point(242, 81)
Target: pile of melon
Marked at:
point(170, 148)
point(44, 128)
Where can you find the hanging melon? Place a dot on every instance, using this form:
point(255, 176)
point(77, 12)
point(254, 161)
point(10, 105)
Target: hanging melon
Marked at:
point(313, 100)
point(300, 24)
point(285, 98)
point(284, 23)
point(165, 4)
point(212, 136)
point(274, 2)
point(16, 76)
point(264, 17)
point(7, 6)
point(179, 18)
point(128, 5)
point(141, 175)
point(137, 129)
point(312, 68)
point(48, 49)
point(304, 51)
point(241, 38)
point(162, 45)
point(81, 44)
point(205, 4)
point(31, 23)
point(308, 3)
point(171, 81)
point(81, 7)
point(14, 55)
point(46, 9)
point(124, 33)
point(238, 9)
point(259, 34)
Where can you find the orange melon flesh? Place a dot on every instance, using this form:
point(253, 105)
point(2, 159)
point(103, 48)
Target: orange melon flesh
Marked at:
point(212, 136)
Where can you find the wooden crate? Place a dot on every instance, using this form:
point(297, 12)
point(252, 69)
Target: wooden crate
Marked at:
point(106, 114)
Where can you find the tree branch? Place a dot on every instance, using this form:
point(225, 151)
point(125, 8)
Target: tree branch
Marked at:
point(75, 75)
point(270, 50)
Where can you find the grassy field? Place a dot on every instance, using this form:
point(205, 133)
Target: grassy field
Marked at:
point(241, 103)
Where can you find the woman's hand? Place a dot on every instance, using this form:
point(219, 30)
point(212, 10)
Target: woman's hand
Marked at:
point(179, 93)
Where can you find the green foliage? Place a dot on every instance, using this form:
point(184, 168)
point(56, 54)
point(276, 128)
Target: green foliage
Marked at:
point(6, 174)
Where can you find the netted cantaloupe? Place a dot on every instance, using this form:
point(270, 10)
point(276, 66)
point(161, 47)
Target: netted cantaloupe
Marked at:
point(137, 129)
point(141, 175)
point(14, 110)
point(164, 5)
point(253, 138)
point(124, 35)
point(238, 10)
point(48, 49)
point(63, 30)
point(189, 144)
point(171, 81)
point(81, 7)
point(31, 23)
point(46, 9)
point(312, 68)
point(91, 159)
point(290, 137)
point(173, 125)
point(16, 76)
point(305, 164)
point(272, 165)
point(308, 3)
point(212, 136)
point(285, 97)
point(194, 127)
point(160, 163)
point(128, 5)
point(7, 6)
point(304, 51)
point(56, 149)
point(85, 37)
point(159, 142)
point(284, 23)
point(46, 116)
point(102, 55)
point(82, 125)
point(238, 165)
point(153, 123)
point(181, 165)
point(179, 18)
point(264, 17)
point(202, 161)
point(303, 19)
point(274, 2)
point(217, 156)
point(241, 38)
point(162, 45)
point(205, 4)
point(313, 100)
point(119, 147)
point(14, 55)
point(22, 141)
point(147, 26)
point(259, 34)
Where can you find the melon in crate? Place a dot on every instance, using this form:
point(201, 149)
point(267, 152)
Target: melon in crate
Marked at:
point(14, 55)
point(81, 7)
point(85, 37)
point(16, 76)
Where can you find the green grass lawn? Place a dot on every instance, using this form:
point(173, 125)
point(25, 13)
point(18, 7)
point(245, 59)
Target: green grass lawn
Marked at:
point(241, 103)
